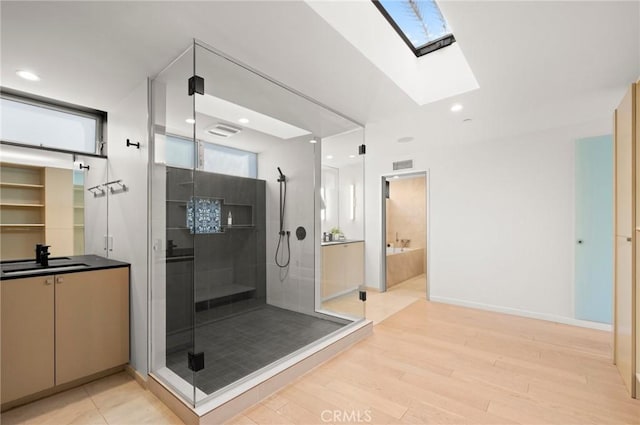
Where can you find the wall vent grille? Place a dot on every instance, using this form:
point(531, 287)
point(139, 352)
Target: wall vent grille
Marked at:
point(223, 130)
point(403, 165)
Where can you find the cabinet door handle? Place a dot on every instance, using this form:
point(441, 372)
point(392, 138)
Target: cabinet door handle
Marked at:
point(48, 281)
point(59, 279)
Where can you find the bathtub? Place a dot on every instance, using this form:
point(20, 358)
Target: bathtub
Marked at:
point(396, 250)
point(403, 264)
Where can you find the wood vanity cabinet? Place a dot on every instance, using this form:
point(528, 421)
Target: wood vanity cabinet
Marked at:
point(60, 328)
point(342, 268)
point(27, 336)
point(92, 322)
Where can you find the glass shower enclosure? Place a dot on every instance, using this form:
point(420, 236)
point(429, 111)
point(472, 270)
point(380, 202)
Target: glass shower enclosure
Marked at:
point(235, 217)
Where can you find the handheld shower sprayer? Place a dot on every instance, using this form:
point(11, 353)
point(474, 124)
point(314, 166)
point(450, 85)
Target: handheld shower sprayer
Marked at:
point(282, 233)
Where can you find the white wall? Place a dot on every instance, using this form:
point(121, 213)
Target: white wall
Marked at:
point(95, 208)
point(292, 288)
point(128, 210)
point(501, 218)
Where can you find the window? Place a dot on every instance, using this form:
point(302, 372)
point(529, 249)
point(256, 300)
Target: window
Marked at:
point(214, 158)
point(418, 22)
point(31, 122)
point(225, 160)
point(179, 152)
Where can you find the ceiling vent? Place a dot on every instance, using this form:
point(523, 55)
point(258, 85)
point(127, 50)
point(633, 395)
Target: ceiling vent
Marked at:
point(223, 130)
point(403, 165)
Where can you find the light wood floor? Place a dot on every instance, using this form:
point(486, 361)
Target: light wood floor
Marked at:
point(379, 306)
point(434, 363)
point(116, 399)
point(427, 363)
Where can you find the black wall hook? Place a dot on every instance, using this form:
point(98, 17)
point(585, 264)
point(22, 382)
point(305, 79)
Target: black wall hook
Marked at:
point(84, 167)
point(137, 145)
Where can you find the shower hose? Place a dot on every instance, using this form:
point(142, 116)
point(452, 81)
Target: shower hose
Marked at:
point(283, 234)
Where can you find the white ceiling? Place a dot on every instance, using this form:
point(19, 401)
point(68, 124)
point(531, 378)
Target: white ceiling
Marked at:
point(538, 64)
point(343, 149)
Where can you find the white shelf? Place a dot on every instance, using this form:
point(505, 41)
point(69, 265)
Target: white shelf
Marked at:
point(8, 204)
point(21, 185)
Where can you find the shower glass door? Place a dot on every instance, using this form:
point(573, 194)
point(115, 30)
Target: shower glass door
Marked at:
point(342, 225)
point(174, 150)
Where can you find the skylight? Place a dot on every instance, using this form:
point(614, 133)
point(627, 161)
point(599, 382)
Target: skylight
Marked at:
point(418, 22)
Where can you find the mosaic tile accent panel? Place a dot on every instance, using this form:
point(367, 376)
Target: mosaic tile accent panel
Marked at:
point(203, 215)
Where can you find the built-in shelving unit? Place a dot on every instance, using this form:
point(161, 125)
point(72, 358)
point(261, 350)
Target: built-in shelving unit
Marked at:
point(78, 219)
point(37, 206)
point(22, 212)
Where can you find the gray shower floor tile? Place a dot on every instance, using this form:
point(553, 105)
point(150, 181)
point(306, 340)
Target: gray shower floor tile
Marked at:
point(241, 344)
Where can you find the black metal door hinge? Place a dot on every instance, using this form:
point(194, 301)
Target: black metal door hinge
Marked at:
point(196, 85)
point(195, 361)
point(363, 295)
point(362, 149)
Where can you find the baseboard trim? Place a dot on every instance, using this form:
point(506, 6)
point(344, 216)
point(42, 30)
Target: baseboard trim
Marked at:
point(140, 379)
point(524, 313)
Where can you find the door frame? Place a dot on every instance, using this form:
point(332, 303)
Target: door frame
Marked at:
point(383, 228)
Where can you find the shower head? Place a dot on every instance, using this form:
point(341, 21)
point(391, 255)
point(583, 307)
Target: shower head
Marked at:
point(282, 176)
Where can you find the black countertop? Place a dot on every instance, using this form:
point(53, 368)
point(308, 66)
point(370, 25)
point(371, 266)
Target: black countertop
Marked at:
point(17, 269)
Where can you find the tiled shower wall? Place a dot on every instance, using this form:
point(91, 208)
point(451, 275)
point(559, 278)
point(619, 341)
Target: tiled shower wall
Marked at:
point(215, 265)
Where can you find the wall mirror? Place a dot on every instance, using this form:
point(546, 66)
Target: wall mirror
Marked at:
point(44, 200)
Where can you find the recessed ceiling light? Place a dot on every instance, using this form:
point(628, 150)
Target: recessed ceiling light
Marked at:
point(243, 120)
point(352, 156)
point(329, 156)
point(405, 139)
point(190, 121)
point(27, 75)
point(456, 107)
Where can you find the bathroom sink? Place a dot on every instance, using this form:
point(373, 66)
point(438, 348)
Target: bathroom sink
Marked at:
point(10, 262)
point(56, 265)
